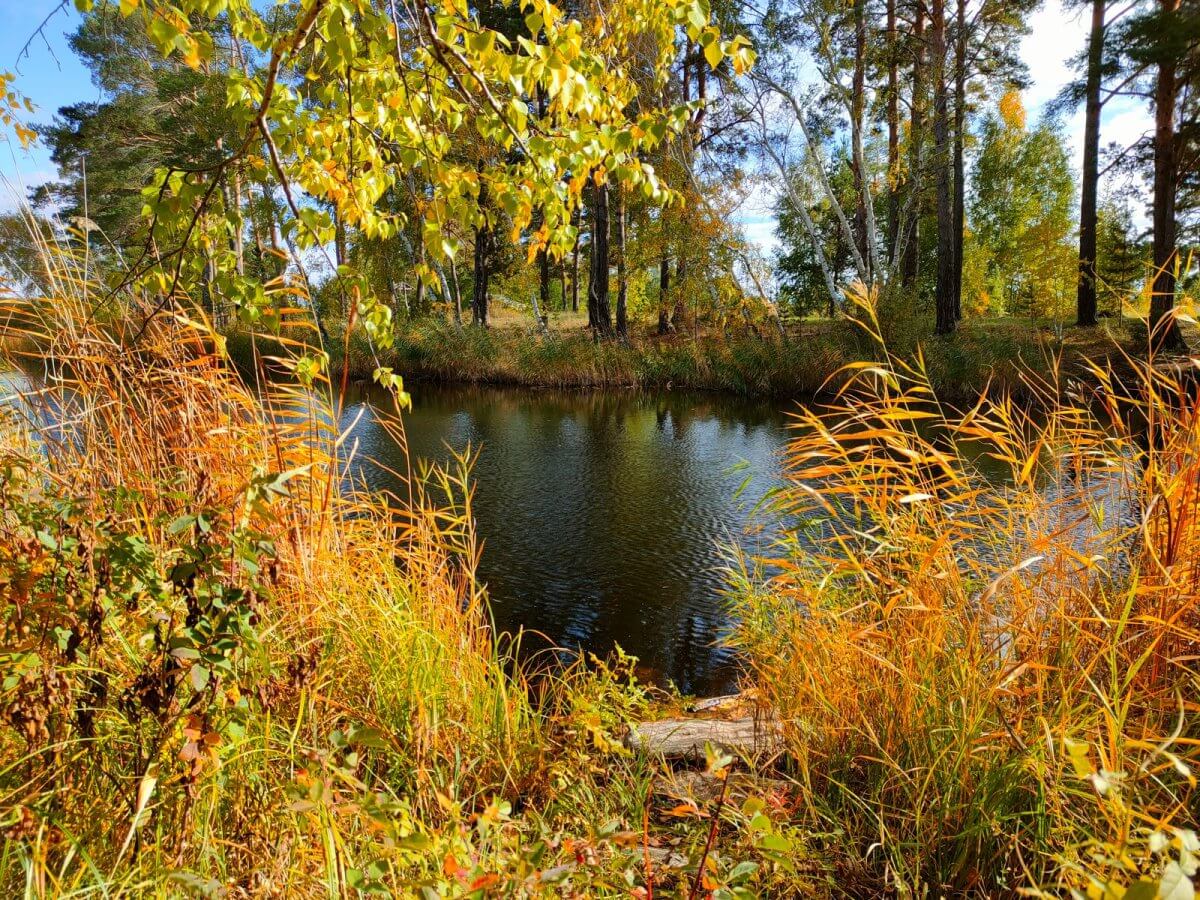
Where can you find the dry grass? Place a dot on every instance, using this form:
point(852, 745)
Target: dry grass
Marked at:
point(225, 672)
point(991, 688)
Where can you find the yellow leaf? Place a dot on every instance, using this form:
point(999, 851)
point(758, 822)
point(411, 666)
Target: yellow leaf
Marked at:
point(714, 54)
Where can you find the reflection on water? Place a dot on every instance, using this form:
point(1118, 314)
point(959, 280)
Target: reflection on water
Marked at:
point(603, 516)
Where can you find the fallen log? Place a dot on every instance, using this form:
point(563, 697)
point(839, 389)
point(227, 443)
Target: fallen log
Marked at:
point(685, 738)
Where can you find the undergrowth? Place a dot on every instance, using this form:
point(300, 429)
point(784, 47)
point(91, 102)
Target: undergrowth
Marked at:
point(805, 362)
point(225, 673)
point(988, 689)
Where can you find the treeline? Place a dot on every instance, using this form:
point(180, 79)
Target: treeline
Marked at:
point(916, 164)
point(660, 246)
point(889, 135)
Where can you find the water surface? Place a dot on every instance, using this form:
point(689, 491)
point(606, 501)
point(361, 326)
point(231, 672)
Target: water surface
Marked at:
point(605, 517)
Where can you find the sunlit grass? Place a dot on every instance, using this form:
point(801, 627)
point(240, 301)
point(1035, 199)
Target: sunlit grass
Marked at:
point(225, 670)
point(984, 687)
point(348, 718)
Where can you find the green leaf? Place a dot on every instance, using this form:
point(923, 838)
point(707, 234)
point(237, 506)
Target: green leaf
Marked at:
point(183, 522)
point(741, 872)
point(1141, 890)
point(198, 676)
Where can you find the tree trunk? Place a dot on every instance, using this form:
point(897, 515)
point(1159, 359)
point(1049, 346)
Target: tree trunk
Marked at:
point(457, 289)
point(599, 311)
point(575, 267)
point(664, 293)
point(857, 102)
point(239, 236)
point(260, 247)
point(960, 181)
point(944, 291)
point(479, 299)
point(1085, 297)
point(543, 257)
point(911, 263)
point(679, 311)
point(893, 123)
point(544, 279)
point(622, 275)
point(420, 302)
point(339, 256)
point(1164, 335)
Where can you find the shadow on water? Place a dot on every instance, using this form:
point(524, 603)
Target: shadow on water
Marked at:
point(603, 516)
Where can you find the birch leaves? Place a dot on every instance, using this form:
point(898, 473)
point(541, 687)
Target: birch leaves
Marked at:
point(342, 102)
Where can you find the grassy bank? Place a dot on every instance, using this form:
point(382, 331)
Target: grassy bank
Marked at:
point(989, 691)
point(800, 363)
point(220, 676)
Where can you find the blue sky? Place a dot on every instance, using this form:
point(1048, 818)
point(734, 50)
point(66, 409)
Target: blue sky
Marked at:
point(51, 77)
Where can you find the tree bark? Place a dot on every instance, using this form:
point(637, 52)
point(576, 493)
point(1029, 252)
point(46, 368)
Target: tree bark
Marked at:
point(457, 291)
point(664, 294)
point(479, 298)
point(1164, 335)
point(599, 311)
point(679, 311)
point(543, 258)
point(960, 180)
point(857, 102)
point(575, 267)
point(1085, 296)
point(421, 299)
point(911, 263)
point(893, 124)
point(622, 275)
point(339, 256)
point(944, 291)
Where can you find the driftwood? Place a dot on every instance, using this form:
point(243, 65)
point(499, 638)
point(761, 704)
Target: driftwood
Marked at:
point(685, 738)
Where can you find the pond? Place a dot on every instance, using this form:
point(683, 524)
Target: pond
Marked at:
point(606, 518)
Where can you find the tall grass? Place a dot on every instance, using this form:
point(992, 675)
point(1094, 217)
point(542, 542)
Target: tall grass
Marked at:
point(226, 672)
point(991, 689)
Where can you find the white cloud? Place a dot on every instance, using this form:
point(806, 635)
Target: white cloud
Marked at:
point(1056, 36)
point(761, 233)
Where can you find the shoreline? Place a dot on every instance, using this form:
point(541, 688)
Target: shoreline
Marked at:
point(800, 366)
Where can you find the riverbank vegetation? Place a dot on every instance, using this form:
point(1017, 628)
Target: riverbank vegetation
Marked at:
point(227, 671)
point(223, 673)
point(804, 361)
point(987, 688)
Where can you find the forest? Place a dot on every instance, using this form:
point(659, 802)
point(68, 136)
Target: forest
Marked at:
point(376, 381)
